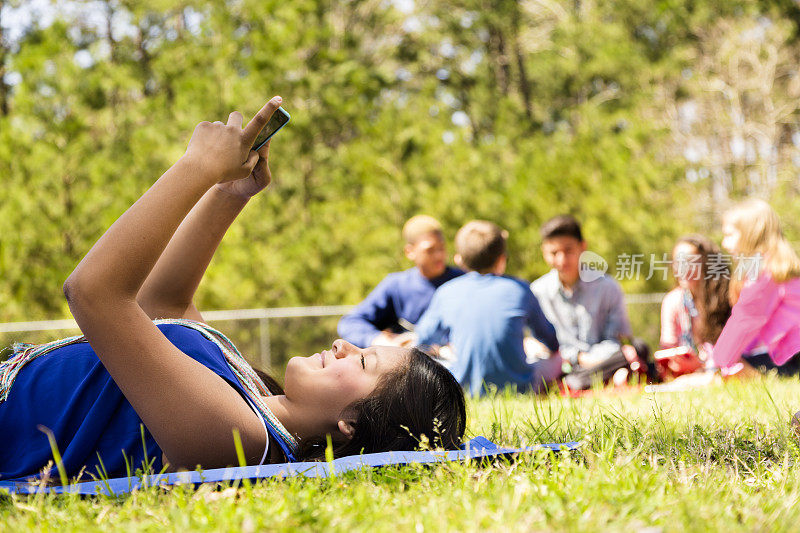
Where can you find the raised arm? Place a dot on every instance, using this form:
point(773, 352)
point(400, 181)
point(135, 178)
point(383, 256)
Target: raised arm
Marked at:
point(756, 304)
point(541, 328)
point(168, 292)
point(190, 411)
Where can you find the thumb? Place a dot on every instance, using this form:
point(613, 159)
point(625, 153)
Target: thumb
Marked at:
point(252, 160)
point(264, 150)
point(262, 174)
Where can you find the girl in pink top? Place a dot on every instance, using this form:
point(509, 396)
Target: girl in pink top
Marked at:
point(765, 289)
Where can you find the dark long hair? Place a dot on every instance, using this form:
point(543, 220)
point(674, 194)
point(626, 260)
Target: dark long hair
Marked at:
point(272, 384)
point(416, 403)
point(712, 303)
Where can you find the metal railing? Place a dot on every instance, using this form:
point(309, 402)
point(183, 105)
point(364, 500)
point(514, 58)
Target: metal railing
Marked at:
point(645, 298)
point(263, 316)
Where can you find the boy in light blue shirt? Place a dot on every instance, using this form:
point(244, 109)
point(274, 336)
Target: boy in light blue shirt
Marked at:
point(586, 307)
point(483, 316)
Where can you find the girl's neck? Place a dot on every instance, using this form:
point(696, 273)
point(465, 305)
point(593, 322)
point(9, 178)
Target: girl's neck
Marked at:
point(694, 291)
point(295, 419)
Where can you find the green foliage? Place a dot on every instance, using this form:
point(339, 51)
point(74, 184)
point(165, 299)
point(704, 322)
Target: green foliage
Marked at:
point(505, 110)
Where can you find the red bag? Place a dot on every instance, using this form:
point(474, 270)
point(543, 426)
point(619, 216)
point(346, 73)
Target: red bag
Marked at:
point(674, 362)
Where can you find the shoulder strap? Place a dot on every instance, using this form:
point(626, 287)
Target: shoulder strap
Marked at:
point(25, 353)
point(251, 383)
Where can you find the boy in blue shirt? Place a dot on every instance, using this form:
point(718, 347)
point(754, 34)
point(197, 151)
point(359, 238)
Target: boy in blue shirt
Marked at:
point(402, 296)
point(483, 316)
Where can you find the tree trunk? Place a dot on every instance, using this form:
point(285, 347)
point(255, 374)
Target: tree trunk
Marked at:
point(524, 83)
point(4, 88)
point(497, 50)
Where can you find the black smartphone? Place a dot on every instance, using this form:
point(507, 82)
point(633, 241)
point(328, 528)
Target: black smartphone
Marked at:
point(278, 120)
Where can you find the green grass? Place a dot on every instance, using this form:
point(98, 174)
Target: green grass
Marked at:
point(721, 458)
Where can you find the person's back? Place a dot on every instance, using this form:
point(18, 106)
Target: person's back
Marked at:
point(483, 315)
point(402, 297)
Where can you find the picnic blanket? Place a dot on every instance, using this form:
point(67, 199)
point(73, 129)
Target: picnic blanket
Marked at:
point(479, 448)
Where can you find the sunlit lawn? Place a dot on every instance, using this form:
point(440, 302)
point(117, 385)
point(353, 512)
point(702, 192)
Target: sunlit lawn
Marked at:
point(720, 458)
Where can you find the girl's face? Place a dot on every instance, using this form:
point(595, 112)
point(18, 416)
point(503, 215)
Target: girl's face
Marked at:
point(730, 237)
point(328, 382)
point(687, 265)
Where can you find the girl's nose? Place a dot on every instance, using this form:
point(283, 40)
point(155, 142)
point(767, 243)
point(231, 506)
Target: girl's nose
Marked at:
point(342, 348)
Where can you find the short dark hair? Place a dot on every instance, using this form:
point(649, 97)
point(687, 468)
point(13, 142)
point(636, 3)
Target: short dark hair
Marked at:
point(561, 226)
point(480, 243)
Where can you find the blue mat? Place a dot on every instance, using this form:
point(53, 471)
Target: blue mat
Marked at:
point(477, 448)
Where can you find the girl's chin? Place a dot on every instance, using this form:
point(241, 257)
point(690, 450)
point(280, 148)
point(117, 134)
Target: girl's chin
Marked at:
point(293, 364)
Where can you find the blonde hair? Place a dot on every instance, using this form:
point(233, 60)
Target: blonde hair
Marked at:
point(420, 225)
point(760, 233)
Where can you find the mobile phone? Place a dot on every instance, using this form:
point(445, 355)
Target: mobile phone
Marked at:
point(278, 120)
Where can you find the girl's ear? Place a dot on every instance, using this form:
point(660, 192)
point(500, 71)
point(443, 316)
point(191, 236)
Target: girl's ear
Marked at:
point(347, 428)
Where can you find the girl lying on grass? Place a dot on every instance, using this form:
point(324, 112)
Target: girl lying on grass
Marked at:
point(172, 393)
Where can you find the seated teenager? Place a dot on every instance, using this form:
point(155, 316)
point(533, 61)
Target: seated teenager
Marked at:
point(589, 316)
point(765, 292)
point(483, 315)
point(395, 305)
point(172, 393)
point(693, 313)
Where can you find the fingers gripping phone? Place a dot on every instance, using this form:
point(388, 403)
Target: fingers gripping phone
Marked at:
point(278, 120)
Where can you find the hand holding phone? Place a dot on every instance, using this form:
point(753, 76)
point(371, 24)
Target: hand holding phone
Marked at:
point(278, 120)
point(260, 175)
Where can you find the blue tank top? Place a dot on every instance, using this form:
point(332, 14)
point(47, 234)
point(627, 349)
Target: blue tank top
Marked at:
point(70, 392)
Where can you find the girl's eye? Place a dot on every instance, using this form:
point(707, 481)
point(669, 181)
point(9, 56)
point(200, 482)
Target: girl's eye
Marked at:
point(362, 362)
